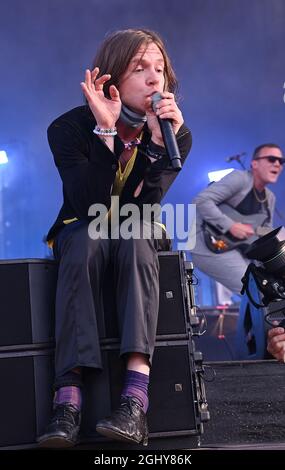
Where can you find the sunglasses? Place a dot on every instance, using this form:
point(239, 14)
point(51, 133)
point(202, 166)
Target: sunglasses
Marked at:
point(272, 159)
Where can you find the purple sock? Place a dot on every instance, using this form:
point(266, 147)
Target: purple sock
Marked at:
point(136, 385)
point(69, 394)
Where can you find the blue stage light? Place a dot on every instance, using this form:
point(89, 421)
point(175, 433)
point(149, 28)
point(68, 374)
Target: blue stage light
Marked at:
point(218, 174)
point(3, 157)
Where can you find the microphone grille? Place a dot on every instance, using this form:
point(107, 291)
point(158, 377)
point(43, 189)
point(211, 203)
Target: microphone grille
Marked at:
point(156, 97)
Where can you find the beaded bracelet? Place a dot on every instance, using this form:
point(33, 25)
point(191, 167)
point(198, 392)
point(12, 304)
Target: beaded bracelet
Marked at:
point(107, 132)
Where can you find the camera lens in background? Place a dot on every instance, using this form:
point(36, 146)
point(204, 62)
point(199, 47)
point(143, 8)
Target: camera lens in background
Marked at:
point(270, 251)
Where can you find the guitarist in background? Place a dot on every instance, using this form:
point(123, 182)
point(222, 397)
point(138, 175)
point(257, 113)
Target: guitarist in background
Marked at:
point(244, 192)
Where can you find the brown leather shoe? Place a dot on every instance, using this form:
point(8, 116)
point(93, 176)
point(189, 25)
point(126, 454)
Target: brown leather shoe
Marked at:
point(63, 428)
point(128, 423)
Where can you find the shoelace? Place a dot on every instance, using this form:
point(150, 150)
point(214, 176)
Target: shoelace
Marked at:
point(127, 404)
point(65, 411)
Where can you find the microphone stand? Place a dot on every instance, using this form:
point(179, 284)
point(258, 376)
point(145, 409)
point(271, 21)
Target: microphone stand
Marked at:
point(237, 159)
point(241, 163)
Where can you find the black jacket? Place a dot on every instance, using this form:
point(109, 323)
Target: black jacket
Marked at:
point(88, 168)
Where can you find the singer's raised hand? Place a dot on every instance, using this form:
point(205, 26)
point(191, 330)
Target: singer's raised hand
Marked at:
point(106, 111)
point(166, 108)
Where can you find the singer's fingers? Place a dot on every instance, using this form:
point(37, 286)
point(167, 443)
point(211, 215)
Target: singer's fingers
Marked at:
point(94, 74)
point(166, 105)
point(167, 115)
point(166, 108)
point(148, 107)
point(167, 95)
point(99, 83)
point(170, 114)
point(163, 102)
point(114, 93)
point(88, 78)
point(162, 99)
point(85, 90)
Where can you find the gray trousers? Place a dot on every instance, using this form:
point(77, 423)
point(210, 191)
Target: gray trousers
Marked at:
point(227, 268)
point(83, 264)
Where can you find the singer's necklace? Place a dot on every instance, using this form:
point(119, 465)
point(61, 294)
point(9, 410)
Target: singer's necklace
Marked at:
point(257, 196)
point(132, 143)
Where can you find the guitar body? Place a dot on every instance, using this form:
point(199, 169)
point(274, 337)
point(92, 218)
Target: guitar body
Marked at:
point(218, 242)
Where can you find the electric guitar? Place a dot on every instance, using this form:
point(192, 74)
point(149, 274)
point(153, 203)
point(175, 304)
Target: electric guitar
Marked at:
point(219, 242)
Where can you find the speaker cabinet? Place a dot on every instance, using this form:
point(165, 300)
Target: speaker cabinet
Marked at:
point(25, 395)
point(172, 391)
point(27, 297)
point(172, 317)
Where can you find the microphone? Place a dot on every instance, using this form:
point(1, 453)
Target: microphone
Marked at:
point(235, 157)
point(168, 136)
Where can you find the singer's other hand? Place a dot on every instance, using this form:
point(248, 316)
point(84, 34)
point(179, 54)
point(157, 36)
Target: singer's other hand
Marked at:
point(106, 111)
point(241, 231)
point(166, 108)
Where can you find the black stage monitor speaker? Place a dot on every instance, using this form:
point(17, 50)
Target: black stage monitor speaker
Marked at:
point(25, 395)
point(27, 299)
point(173, 398)
point(172, 317)
point(27, 296)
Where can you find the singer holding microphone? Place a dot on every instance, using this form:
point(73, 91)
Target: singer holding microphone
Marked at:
point(237, 208)
point(129, 140)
